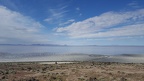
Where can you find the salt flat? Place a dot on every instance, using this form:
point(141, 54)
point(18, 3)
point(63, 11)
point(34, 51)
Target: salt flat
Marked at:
point(124, 58)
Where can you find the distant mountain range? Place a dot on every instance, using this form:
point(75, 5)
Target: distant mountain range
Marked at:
point(33, 45)
point(60, 45)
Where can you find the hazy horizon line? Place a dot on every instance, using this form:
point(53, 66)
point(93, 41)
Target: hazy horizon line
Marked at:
point(67, 45)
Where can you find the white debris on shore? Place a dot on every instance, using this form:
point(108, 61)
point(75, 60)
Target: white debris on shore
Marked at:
point(55, 62)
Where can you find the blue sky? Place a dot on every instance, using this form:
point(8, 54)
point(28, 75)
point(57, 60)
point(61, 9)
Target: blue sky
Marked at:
point(72, 22)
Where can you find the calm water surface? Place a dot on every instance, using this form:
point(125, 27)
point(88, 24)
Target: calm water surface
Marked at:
point(69, 53)
point(73, 49)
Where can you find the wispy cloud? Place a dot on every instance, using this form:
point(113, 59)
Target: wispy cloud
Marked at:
point(77, 8)
point(56, 15)
point(67, 22)
point(80, 14)
point(109, 24)
point(134, 4)
point(78, 11)
point(17, 28)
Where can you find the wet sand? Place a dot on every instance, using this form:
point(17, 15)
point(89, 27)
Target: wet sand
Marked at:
point(71, 71)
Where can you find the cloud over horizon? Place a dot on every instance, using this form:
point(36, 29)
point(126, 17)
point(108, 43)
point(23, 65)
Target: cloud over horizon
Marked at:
point(109, 24)
point(17, 28)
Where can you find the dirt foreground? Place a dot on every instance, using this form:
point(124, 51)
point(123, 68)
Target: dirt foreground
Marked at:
point(73, 71)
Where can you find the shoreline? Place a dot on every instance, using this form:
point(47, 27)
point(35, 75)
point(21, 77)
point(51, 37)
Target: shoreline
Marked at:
point(123, 58)
point(64, 62)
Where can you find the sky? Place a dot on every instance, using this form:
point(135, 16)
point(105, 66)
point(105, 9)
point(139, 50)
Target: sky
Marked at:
point(72, 22)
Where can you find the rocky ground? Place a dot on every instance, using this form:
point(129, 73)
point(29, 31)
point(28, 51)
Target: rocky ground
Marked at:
point(77, 71)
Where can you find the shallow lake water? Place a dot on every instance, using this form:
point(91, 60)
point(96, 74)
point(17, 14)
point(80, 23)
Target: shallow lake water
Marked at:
point(67, 53)
point(74, 49)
